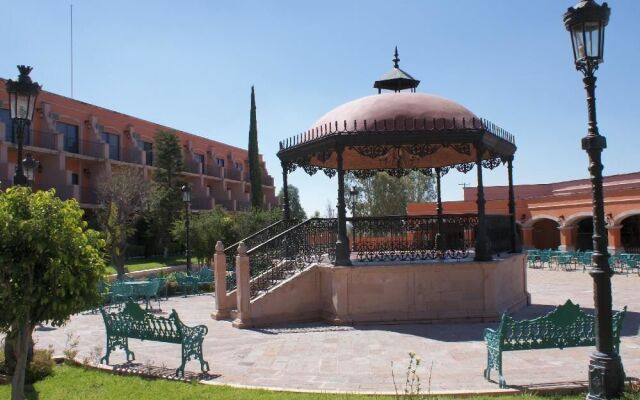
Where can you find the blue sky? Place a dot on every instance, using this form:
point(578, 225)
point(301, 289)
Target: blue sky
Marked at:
point(190, 65)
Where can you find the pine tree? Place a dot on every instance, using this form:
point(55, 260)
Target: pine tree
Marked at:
point(254, 160)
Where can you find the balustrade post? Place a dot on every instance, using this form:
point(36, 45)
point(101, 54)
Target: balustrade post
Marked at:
point(243, 291)
point(482, 250)
point(224, 304)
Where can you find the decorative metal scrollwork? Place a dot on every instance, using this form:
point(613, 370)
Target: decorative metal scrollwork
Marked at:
point(330, 172)
point(444, 170)
point(421, 149)
point(289, 167)
point(462, 148)
point(363, 173)
point(465, 167)
point(396, 172)
point(427, 172)
point(372, 151)
point(491, 163)
point(310, 169)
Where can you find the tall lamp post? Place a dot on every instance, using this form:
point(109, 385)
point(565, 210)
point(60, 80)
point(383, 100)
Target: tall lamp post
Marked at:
point(353, 198)
point(22, 102)
point(186, 199)
point(586, 23)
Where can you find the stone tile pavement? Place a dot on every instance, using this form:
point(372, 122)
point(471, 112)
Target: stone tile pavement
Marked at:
point(359, 358)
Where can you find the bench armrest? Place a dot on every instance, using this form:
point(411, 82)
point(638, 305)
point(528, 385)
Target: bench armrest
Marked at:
point(198, 331)
point(492, 337)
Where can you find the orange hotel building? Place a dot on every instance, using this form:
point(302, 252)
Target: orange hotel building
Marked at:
point(78, 143)
point(559, 214)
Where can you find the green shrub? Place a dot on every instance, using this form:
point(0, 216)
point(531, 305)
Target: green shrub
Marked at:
point(40, 367)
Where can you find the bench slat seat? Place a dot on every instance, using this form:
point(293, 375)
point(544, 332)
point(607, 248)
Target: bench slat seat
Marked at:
point(565, 326)
point(133, 322)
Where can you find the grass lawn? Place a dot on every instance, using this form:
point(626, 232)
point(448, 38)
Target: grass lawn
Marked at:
point(69, 383)
point(150, 263)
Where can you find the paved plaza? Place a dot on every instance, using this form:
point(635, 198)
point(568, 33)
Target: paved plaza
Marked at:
point(320, 357)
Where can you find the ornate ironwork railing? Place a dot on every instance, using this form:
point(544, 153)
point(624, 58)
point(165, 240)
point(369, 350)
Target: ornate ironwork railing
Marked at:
point(252, 241)
point(289, 252)
point(499, 233)
point(287, 247)
point(409, 238)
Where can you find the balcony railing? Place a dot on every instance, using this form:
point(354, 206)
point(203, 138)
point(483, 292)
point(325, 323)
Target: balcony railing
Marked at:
point(213, 170)
point(88, 195)
point(46, 140)
point(266, 179)
point(201, 203)
point(64, 192)
point(92, 149)
point(133, 156)
point(243, 205)
point(192, 167)
point(229, 205)
point(233, 174)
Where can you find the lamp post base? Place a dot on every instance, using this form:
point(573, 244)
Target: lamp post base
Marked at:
point(606, 377)
point(342, 254)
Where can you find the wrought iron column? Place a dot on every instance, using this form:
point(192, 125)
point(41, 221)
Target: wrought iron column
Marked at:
point(606, 374)
point(482, 251)
point(342, 244)
point(285, 191)
point(439, 241)
point(512, 208)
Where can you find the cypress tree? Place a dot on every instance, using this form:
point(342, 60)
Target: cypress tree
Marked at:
point(254, 160)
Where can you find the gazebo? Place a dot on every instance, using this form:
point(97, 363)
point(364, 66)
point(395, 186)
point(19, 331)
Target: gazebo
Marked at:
point(405, 267)
point(398, 131)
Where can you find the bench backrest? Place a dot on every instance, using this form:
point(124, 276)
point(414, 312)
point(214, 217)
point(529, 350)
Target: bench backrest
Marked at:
point(136, 323)
point(565, 326)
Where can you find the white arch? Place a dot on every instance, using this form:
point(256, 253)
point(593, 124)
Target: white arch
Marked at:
point(573, 219)
point(529, 223)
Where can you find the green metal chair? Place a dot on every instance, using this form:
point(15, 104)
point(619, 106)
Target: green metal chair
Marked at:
point(120, 293)
point(187, 283)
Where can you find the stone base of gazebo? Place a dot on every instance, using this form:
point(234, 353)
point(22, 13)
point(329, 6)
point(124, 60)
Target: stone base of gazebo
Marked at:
point(451, 291)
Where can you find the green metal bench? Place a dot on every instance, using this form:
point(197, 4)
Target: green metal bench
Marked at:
point(565, 326)
point(133, 322)
point(204, 276)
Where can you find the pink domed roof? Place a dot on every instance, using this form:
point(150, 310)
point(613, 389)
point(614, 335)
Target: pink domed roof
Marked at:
point(396, 107)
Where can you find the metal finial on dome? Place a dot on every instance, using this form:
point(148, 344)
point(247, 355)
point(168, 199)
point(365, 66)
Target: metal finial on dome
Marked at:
point(396, 60)
point(396, 79)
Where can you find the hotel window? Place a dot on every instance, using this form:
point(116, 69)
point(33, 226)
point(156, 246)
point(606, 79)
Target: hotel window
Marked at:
point(148, 149)
point(200, 159)
point(114, 144)
point(75, 179)
point(239, 166)
point(220, 162)
point(9, 134)
point(70, 133)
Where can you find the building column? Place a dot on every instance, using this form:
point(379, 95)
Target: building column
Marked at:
point(527, 238)
point(342, 244)
point(615, 239)
point(567, 238)
point(482, 248)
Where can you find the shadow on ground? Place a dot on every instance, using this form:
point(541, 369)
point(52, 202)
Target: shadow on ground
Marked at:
point(445, 332)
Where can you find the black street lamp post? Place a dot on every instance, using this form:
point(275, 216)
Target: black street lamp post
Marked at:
point(586, 23)
point(186, 199)
point(22, 102)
